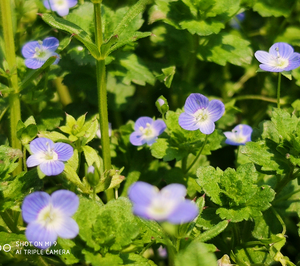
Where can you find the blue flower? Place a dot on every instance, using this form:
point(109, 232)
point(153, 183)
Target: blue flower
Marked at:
point(36, 53)
point(281, 57)
point(200, 113)
point(60, 6)
point(239, 135)
point(49, 156)
point(168, 204)
point(49, 217)
point(146, 131)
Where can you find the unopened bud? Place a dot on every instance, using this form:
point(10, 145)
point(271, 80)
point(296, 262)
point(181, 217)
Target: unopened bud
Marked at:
point(92, 175)
point(162, 105)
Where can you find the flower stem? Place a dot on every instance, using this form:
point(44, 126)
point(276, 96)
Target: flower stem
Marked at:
point(14, 100)
point(198, 155)
point(278, 90)
point(102, 97)
point(280, 220)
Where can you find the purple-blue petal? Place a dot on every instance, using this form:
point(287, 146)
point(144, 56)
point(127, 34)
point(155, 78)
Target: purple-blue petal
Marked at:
point(294, 62)
point(136, 139)
point(72, 3)
point(63, 150)
point(62, 11)
point(270, 68)
point(50, 43)
point(66, 201)
point(150, 141)
point(141, 193)
point(46, 4)
point(246, 130)
point(216, 109)
point(50, 168)
point(284, 50)
point(207, 127)
point(187, 121)
point(33, 204)
point(68, 228)
point(41, 145)
point(28, 50)
point(34, 160)
point(174, 191)
point(194, 102)
point(263, 57)
point(159, 126)
point(39, 235)
point(34, 63)
point(141, 211)
point(185, 212)
point(142, 122)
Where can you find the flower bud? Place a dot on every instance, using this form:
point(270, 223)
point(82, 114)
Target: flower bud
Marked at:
point(162, 105)
point(92, 175)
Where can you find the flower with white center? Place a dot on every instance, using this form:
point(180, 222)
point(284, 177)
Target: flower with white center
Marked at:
point(49, 156)
point(36, 53)
point(200, 113)
point(49, 217)
point(281, 57)
point(239, 135)
point(168, 204)
point(60, 6)
point(146, 131)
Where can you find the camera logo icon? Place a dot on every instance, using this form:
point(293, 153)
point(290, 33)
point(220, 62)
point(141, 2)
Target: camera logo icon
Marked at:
point(5, 247)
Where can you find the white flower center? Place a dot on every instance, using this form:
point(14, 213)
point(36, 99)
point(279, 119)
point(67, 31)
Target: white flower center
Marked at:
point(60, 3)
point(50, 154)
point(147, 131)
point(50, 217)
point(201, 115)
point(161, 207)
point(238, 136)
point(279, 61)
point(41, 53)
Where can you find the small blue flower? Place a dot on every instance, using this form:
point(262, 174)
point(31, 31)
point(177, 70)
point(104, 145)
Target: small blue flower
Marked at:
point(281, 57)
point(49, 156)
point(200, 113)
point(146, 131)
point(36, 53)
point(168, 204)
point(60, 6)
point(49, 217)
point(239, 135)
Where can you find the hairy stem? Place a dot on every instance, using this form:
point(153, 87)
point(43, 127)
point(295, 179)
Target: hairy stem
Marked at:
point(102, 97)
point(14, 100)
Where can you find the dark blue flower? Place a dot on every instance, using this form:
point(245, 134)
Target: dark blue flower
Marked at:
point(49, 156)
point(239, 135)
point(49, 217)
point(146, 131)
point(168, 204)
point(200, 113)
point(36, 53)
point(281, 57)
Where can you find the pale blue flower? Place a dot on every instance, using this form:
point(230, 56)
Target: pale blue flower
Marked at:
point(281, 57)
point(200, 113)
point(49, 156)
point(239, 135)
point(146, 131)
point(61, 7)
point(49, 217)
point(36, 53)
point(168, 204)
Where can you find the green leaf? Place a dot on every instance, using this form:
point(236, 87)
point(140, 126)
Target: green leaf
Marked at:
point(212, 232)
point(167, 76)
point(225, 47)
point(91, 156)
point(268, 8)
point(196, 254)
point(116, 227)
point(33, 74)
point(72, 28)
point(235, 191)
point(70, 174)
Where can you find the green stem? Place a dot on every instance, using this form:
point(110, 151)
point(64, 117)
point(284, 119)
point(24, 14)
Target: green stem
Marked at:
point(102, 97)
point(255, 97)
point(281, 184)
point(62, 91)
point(14, 100)
point(278, 90)
point(198, 155)
point(94, 193)
point(280, 220)
point(24, 159)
